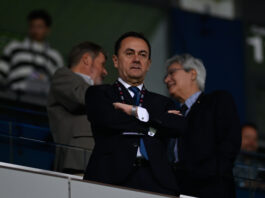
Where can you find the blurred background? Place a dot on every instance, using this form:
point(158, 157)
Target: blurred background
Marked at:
point(227, 35)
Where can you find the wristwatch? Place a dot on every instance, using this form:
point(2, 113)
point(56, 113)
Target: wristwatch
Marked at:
point(134, 111)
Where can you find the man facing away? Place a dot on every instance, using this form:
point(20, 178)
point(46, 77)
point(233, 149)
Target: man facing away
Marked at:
point(131, 145)
point(66, 106)
point(204, 156)
point(28, 65)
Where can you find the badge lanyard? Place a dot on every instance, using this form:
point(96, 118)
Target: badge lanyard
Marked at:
point(118, 85)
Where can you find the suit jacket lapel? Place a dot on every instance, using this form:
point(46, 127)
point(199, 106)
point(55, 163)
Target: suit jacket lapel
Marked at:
point(196, 105)
point(127, 97)
point(146, 99)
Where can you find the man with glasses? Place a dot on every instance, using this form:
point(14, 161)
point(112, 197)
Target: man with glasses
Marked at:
point(204, 156)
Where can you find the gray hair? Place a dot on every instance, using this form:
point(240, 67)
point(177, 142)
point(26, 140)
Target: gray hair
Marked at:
point(188, 62)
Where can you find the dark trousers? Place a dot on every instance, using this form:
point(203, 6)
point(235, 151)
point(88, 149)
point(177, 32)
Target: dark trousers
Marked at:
point(142, 178)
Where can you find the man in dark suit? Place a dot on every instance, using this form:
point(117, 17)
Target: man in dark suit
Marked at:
point(66, 106)
point(131, 150)
point(205, 154)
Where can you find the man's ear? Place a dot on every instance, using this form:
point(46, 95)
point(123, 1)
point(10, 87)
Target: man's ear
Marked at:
point(115, 61)
point(87, 60)
point(193, 74)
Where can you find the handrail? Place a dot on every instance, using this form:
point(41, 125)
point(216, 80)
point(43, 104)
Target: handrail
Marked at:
point(44, 142)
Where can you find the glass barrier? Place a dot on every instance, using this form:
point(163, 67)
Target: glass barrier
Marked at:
point(25, 137)
point(16, 110)
point(43, 155)
point(9, 96)
point(249, 173)
point(32, 146)
point(249, 188)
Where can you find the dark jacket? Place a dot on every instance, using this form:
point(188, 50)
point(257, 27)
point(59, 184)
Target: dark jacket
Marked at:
point(114, 154)
point(68, 120)
point(208, 148)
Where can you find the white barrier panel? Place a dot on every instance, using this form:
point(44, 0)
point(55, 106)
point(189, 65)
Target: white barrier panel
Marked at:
point(24, 182)
point(19, 184)
point(85, 190)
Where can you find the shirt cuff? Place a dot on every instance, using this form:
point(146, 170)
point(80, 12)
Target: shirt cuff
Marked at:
point(142, 113)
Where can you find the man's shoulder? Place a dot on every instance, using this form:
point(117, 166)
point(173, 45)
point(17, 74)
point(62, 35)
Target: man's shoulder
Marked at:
point(55, 52)
point(159, 96)
point(217, 94)
point(13, 45)
point(55, 56)
point(155, 99)
point(218, 97)
point(63, 72)
point(65, 76)
point(99, 90)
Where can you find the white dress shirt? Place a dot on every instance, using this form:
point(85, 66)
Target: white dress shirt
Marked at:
point(86, 78)
point(142, 113)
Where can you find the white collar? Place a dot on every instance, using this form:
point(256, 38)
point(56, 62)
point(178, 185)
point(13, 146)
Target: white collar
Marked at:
point(126, 85)
point(86, 78)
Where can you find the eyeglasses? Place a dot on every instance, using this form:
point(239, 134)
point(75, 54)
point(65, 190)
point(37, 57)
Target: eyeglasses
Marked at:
point(172, 71)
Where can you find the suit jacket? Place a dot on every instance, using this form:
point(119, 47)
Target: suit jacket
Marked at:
point(114, 154)
point(68, 120)
point(208, 148)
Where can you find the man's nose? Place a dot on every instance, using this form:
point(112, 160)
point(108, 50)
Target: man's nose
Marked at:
point(166, 79)
point(136, 58)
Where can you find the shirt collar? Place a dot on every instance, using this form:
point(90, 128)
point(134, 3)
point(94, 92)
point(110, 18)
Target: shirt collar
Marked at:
point(192, 99)
point(86, 78)
point(126, 85)
point(32, 42)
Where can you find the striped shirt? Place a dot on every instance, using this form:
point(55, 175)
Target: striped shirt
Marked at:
point(24, 62)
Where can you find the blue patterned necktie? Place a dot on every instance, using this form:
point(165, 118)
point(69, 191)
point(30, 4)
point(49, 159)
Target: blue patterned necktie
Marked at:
point(136, 99)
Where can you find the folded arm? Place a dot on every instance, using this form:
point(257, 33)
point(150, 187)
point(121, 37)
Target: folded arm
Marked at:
point(171, 123)
point(100, 111)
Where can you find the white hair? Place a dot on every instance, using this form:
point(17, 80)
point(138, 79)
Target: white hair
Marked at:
point(188, 62)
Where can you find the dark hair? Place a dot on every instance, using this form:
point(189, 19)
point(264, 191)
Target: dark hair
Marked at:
point(40, 14)
point(131, 34)
point(79, 50)
point(249, 124)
